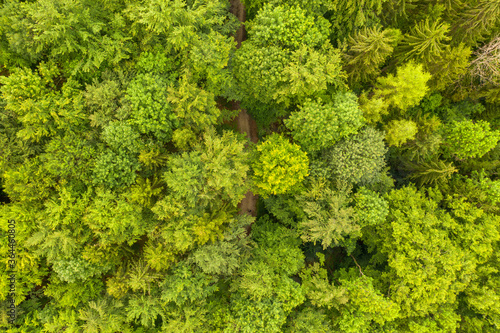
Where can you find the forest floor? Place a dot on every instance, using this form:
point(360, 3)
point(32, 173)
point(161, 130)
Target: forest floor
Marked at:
point(244, 122)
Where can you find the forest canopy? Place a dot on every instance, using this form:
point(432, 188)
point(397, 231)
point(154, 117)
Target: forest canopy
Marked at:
point(271, 166)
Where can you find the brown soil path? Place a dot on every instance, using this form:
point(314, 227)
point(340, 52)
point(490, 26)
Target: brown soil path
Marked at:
point(245, 123)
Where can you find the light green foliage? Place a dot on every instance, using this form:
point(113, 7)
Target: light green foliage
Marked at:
point(81, 35)
point(483, 296)
point(278, 165)
point(144, 310)
point(187, 284)
point(432, 252)
point(225, 256)
point(358, 306)
point(157, 62)
point(219, 258)
point(204, 187)
point(259, 71)
point(310, 72)
point(358, 159)
point(286, 208)
point(70, 157)
point(209, 58)
point(317, 126)
point(366, 305)
point(350, 15)
point(258, 316)
point(145, 191)
point(181, 24)
point(329, 218)
point(215, 170)
point(367, 50)
point(194, 107)
point(150, 111)
point(104, 315)
point(183, 138)
point(370, 208)
point(373, 109)
point(121, 165)
point(72, 295)
point(42, 110)
point(287, 27)
point(397, 132)
point(76, 269)
point(404, 90)
point(468, 139)
point(141, 277)
point(319, 291)
point(309, 320)
point(29, 181)
point(114, 220)
point(103, 98)
point(425, 42)
point(278, 246)
point(115, 169)
point(315, 7)
point(265, 294)
point(120, 137)
point(286, 59)
point(275, 75)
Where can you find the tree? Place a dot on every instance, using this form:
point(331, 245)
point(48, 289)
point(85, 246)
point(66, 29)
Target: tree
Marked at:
point(428, 231)
point(288, 28)
point(278, 166)
point(80, 35)
point(476, 21)
point(272, 75)
point(430, 173)
point(468, 139)
point(319, 125)
point(400, 131)
point(370, 207)
point(259, 71)
point(484, 68)
point(329, 219)
point(449, 67)
point(264, 293)
point(426, 42)
point(357, 159)
point(350, 15)
point(310, 72)
point(367, 50)
point(404, 90)
point(151, 113)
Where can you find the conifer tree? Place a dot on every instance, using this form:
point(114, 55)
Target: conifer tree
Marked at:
point(477, 21)
point(425, 42)
point(430, 173)
point(367, 50)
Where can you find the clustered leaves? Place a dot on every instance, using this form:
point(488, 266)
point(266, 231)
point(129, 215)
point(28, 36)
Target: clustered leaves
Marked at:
point(366, 200)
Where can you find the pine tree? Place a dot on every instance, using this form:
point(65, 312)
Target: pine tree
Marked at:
point(425, 42)
point(430, 173)
point(367, 50)
point(476, 22)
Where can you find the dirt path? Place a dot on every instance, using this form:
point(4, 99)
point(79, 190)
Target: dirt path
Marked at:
point(245, 123)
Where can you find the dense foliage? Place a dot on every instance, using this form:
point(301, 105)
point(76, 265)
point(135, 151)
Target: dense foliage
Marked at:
point(127, 191)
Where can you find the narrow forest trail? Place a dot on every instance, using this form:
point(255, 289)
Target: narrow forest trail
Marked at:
point(244, 122)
